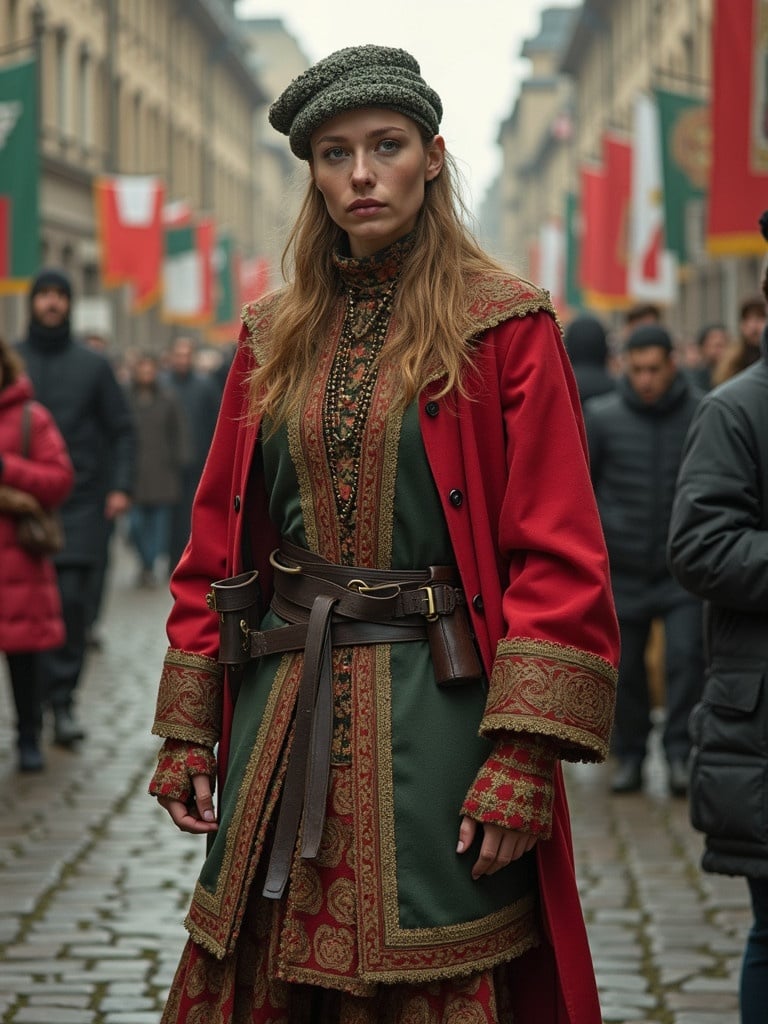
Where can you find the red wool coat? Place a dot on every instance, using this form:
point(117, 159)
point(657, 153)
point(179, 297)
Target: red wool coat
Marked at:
point(510, 466)
point(30, 609)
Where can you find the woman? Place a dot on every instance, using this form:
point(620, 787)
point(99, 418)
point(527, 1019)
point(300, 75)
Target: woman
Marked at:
point(718, 549)
point(30, 610)
point(399, 454)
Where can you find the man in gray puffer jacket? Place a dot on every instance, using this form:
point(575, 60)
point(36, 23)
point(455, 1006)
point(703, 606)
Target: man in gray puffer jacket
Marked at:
point(636, 437)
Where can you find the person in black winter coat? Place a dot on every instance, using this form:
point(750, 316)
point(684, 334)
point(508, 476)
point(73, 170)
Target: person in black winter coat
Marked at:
point(199, 398)
point(586, 343)
point(636, 437)
point(718, 550)
point(79, 388)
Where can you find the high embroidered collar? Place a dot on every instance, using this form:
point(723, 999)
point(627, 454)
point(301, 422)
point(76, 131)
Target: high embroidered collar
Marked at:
point(370, 276)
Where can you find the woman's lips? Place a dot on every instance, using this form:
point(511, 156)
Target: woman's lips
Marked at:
point(364, 207)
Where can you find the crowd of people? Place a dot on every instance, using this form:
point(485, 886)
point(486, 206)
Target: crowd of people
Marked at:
point(405, 547)
point(106, 443)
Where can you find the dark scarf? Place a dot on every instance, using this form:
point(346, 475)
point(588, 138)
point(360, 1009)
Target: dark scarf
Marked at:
point(49, 339)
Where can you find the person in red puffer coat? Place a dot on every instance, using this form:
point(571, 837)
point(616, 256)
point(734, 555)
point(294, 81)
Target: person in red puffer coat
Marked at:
point(30, 608)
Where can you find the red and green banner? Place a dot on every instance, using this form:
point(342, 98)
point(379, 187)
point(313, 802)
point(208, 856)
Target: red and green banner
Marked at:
point(188, 272)
point(129, 212)
point(685, 130)
point(19, 176)
point(739, 179)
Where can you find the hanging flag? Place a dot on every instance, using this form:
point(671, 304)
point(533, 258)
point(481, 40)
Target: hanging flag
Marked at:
point(129, 211)
point(188, 273)
point(226, 265)
point(739, 179)
point(573, 297)
point(592, 230)
point(605, 204)
point(685, 132)
point(19, 174)
point(652, 268)
point(552, 261)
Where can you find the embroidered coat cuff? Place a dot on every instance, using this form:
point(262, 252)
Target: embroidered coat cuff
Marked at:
point(189, 700)
point(549, 689)
point(515, 788)
point(177, 762)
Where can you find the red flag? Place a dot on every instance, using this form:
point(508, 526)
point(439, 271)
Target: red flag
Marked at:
point(738, 190)
point(592, 217)
point(605, 220)
point(129, 212)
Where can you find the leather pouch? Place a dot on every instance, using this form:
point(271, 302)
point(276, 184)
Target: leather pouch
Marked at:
point(454, 655)
point(237, 602)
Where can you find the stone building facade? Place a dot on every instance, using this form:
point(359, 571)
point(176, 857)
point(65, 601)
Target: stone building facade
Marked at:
point(166, 87)
point(587, 77)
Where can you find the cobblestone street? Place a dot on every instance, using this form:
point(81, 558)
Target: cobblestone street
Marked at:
point(94, 880)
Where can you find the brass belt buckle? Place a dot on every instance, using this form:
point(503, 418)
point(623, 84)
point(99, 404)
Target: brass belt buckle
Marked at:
point(431, 615)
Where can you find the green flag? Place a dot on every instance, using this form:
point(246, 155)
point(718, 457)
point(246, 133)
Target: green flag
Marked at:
point(19, 215)
point(686, 153)
point(573, 296)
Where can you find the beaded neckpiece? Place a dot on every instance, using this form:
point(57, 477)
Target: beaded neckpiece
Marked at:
point(349, 392)
point(370, 284)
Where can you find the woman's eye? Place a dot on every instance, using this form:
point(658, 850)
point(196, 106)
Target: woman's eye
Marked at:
point(334, 153)
point(389, 145)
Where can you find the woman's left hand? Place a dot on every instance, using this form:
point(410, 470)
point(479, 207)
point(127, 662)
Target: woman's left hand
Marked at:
point(499, 848)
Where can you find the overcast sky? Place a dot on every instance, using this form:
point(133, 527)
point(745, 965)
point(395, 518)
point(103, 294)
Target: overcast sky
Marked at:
point(469, 51)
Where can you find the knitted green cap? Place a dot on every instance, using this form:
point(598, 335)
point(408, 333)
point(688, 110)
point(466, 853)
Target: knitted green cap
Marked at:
point(358, 76)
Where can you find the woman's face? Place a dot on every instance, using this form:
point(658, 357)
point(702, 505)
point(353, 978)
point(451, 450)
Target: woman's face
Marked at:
point(371, 166)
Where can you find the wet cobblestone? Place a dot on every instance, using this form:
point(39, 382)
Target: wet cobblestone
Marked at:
point(94, 881)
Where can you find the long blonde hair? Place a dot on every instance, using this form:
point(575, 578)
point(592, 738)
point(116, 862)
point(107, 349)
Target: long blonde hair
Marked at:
point(431, 319)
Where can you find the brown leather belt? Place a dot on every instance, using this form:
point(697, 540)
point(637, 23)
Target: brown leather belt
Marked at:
point(330, 605)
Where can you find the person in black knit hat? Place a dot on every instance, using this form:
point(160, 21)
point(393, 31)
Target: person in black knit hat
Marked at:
point(79, 388)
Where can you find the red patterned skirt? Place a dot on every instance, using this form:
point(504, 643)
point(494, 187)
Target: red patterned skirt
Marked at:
point(296, 958)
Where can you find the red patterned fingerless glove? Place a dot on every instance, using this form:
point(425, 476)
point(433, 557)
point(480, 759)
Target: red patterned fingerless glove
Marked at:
point(514, 788)
point(177, 762)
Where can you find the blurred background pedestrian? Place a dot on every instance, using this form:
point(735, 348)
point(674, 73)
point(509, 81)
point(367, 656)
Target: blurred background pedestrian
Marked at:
point(636, 436)
point(162, 453)
point(35, 472)
point(89, 407)
point(199, 399)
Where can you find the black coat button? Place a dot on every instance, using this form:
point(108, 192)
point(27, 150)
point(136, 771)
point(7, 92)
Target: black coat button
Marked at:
point(456, 498)
point(236, 503)
point(477, 603)
point(432, 409)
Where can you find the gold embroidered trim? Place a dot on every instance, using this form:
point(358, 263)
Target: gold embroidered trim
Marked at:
point(214, 917)
point(554, 690)
point(257, 317)
point(500, 297)
point(189, 698)
point(565, 652)
point(389, 953)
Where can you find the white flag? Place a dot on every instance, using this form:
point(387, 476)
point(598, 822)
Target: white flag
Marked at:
point(652, 268)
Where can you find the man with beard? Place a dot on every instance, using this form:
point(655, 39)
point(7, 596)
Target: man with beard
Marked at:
point(79, 388)
point(636, 436)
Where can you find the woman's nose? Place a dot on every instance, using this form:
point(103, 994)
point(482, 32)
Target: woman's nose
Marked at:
point(361, 171)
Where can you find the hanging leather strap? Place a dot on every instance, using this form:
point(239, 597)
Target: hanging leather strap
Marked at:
point(309, 761)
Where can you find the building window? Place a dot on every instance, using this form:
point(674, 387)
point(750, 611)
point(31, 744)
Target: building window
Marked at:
point(62, 83)
point(84, 99)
